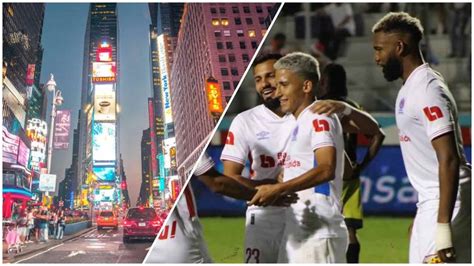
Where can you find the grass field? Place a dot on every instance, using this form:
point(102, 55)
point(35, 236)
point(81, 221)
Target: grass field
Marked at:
point(383, 239)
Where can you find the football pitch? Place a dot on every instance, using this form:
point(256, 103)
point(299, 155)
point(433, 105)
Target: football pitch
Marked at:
point(383, 239)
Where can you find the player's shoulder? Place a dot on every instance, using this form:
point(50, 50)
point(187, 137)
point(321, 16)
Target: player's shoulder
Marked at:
point(308, 114)
point(427, 82)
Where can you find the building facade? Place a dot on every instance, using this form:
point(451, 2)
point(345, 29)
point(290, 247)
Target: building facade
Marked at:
point(22, 98)
point(99, 179)
point(146, 185)
point(216, 42)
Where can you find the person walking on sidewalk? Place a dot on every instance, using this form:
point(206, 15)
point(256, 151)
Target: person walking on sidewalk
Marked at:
point(60, 224)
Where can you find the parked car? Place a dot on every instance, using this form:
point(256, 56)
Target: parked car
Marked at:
point(141, 223)
point(107, 219)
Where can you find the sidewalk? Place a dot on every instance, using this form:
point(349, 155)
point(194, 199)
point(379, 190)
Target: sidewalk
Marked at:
point(32, 248)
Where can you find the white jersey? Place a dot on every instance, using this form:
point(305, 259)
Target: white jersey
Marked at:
point(262, 137)
point(312, 132)
point(181, 239)
point(425, 109)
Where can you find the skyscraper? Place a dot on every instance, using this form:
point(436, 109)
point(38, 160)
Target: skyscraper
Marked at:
point(146, 171)
point(215, 44)
point(165, 18)
point(98, 140)
point(22, 98)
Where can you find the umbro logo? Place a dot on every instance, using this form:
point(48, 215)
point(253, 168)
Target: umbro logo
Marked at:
point(263, 135)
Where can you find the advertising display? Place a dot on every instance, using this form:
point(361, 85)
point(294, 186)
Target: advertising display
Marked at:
point(168, 145)
point(103, 72)
point(214, 96)
point(104, 87)
point(9, 146)
point(104, 194)
point(163, 59)
point(154, 165)
point(104, 174)
point(103, 142)
point(30, 74)
point(23, 154)
point(104, 53)
point(62, 126)
point(36, 131)
point(104, 105)
point(47, 183)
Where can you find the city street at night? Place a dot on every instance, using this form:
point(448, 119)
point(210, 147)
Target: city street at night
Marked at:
point(93, 246)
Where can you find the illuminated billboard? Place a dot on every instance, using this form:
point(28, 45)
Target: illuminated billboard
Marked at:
point(47, 183)
point(214, 96)
point(61, 129)
point(104, 174)
point(169, 149)
point(104, 105)
point(23, 154)
point(103, 142)
point(104, 53)
point(104, 195)
point(163, 60)
point(104, 87)
point(9, 146)
point(103, 72)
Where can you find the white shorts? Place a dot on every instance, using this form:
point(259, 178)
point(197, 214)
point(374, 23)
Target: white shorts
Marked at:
point(305, 243)
point(264, 227)
point(178, 248)
point(422, 244)
point(319, 250)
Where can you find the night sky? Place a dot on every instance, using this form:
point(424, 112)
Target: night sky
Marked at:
point(63, 44)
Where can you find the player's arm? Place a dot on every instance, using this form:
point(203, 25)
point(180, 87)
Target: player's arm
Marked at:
point(226, 185)
point(234, 170)
point(448, 160)
point(324, 172)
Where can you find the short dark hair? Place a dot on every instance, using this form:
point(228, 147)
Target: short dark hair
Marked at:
point(265, 57)
point(279, 37)
point(400, 22)
point(336, 77)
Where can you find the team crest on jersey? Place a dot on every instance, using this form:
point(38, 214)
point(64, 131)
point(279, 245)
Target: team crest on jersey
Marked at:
point(401, 105)
point(263, 135)
point(294, 134)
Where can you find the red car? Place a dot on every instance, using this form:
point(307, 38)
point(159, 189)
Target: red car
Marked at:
point(141, 223)
point(107, 219)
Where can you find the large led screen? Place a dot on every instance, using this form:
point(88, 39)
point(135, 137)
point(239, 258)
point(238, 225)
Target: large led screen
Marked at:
point(104, 105)
point(103, 142)
point(104, 174)
point(103, 71)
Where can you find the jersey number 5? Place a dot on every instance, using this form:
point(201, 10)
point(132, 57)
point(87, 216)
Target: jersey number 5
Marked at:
point(432, 113)
point(320, 125)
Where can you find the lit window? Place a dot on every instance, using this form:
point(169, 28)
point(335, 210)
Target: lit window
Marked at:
point(264, 31)
point(251, 33)
point(215, 22)
point(227, 33)
point(225, 22)
point(240, 33)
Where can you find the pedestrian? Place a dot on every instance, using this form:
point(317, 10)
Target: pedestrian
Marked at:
point(22, 223)
point(43, 224)
point(30, 225)
point(53, 223)
point(60, 225)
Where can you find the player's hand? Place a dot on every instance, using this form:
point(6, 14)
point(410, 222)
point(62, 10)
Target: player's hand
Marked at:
point(266, 195)
point(286, 200)
point(328, 107)
point(267, 181)
point(447, 255)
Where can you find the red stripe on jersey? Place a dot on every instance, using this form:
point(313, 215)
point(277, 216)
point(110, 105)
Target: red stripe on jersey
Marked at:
point(466, 135)
point(252, 172)
point(189, 202)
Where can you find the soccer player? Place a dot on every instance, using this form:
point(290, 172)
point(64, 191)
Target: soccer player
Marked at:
point(315, 231)
point(181, 239)
point(262, 135)
point(430, 140)
point(333, 86)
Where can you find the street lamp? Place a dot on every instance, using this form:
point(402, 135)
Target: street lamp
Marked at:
point(57, 101)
